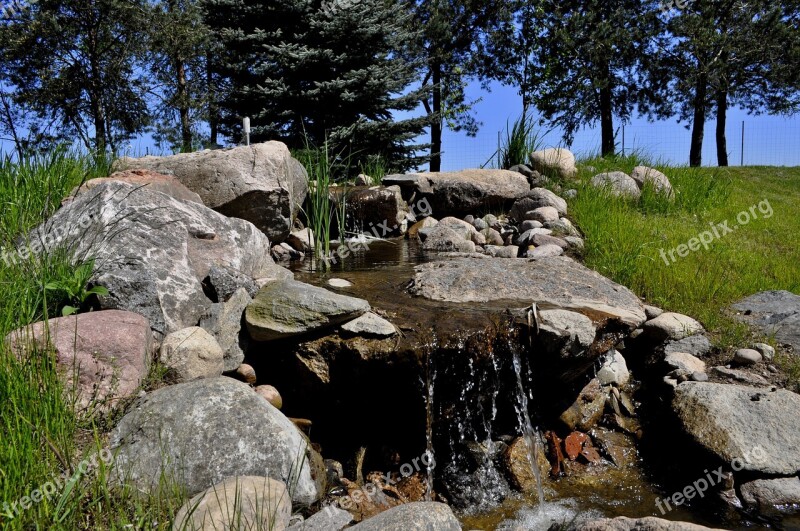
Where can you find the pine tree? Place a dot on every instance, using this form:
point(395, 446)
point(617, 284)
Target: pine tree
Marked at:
point(590, 55)
point(71, 64)
point(305, 70)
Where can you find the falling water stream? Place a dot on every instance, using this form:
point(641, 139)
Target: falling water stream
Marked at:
point(529, 433)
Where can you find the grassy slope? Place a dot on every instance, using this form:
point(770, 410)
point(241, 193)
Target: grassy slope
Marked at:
point(624, 240)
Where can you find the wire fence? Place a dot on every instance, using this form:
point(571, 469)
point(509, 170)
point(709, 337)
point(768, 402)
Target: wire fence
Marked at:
point(758, 141)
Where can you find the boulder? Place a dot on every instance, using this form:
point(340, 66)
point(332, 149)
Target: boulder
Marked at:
point(748, 424)
point(192, 353)
point(224, 322)
point(464, 229)
point(370, 325)
point(104, 356)
point(202, 432)
point(540, 240)
point(443, 239)
point(153, 252)
point(509, 251)
point(659, 181)
point(618, 183)
point(672, 326)
point(696, 345)
point(537, 198)
point(379, 210)
point(301, 240)
point(427, 223)
point(517, 461)
point(587, 409)
point(738, 375)
point(649, 523)
point(156, 182)
point(766, 351)
point(557, 283)
point(464, 192)
point(418, 515)
point(247, 502)
point(544, 214)
point(328, 519)
point(772, 497)
point(526, 238)
point(260, 183)
point(290, 308)
point(614, 370)
point(224, 282)
point(566, 334)
point(774, 313)
point(685, 362)
point(746, 357)
point(555, 161)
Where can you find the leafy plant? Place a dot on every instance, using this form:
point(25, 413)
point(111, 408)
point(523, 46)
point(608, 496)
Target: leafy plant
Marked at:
point(73, 292)
point(375, 168)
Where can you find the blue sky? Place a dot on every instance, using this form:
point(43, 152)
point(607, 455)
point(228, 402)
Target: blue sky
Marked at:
point(769, 140)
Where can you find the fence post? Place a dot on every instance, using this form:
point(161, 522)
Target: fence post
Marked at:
point(742, 159)
point(623, 140)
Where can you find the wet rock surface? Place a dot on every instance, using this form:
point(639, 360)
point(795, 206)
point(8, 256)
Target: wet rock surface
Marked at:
point(773, 312)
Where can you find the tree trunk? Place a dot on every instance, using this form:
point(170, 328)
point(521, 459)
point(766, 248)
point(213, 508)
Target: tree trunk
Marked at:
point(436, 124)
point(699, 123)
point(183, 108)
point(213, 117)
point(96, 97)
point(722, 122)
point(607, 122)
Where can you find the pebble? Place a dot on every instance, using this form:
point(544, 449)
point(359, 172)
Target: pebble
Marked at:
point(699, 377)
point(271, 395)
point(530, 224)
point(339, 283)
point(747, 357)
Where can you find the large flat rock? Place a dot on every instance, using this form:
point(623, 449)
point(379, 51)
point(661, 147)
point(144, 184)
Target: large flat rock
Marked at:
point(774, 313)
point(464, 192)
point(756, 425)
point(552, 283)
point(290, 308)
point(261, 183)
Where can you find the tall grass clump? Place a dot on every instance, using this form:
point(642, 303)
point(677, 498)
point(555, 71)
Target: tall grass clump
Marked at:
point(520, 140)
point(324, 212)
point(375, 168)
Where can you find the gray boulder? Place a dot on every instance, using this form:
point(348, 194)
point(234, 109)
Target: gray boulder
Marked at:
point(412, 516)
point(370, 325)
point(328, 519)
point(463, 192)
point(224, 322)
point(444, 239)
point(545, 251)
point(659, 181)
point(696, 345)
point(290, 308)
point(649, 523)
point(192, 353)
point(558, 283)
point(261, 183)
point(537, 198)
point(773, 313)
point(153, 252)
point(744, 423)
point(379, 210)
point(555, 161)
point(237, 503)
point(225, 281)
point(202, 432)
point(772, 497)
point(618, 183)
point(672, 326)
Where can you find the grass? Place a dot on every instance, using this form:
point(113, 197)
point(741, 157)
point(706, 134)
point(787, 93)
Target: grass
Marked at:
point(520, 140)
point(624, 241)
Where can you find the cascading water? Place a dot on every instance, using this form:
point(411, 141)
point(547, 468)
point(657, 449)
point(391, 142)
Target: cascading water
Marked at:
point(529, 433)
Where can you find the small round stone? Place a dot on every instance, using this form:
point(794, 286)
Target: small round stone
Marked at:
point(271, 395)
point(699, 377)
point(766, 350)
point(747, 357)
point(247, 373)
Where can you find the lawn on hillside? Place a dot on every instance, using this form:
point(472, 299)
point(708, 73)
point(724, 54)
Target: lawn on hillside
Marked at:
point(630, 242)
